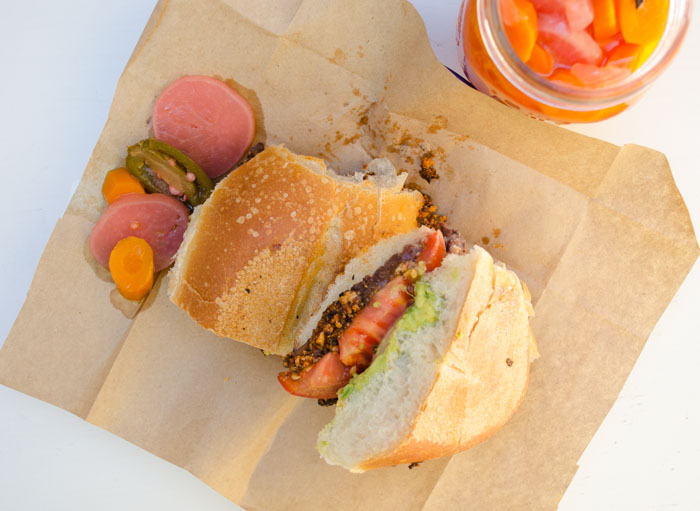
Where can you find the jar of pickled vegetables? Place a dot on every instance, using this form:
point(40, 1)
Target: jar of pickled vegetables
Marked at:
point(569, 60)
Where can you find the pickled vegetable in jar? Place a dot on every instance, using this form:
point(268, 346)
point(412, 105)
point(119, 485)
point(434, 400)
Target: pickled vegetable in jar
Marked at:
point(569, 60)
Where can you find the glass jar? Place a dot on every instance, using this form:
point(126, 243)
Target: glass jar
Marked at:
point(492, 66)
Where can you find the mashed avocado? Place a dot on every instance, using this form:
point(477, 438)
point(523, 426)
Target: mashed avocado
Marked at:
point(422, 312)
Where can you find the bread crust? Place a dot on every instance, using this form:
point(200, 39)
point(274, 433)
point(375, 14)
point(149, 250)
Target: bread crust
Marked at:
point(274, 232)
point(483, 376)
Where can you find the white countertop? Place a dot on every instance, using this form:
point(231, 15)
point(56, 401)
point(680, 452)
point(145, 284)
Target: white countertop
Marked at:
point(60, 66)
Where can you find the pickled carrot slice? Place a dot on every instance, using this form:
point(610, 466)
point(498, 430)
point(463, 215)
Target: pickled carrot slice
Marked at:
point(540, 60)
point(608, 45)
point(625, 55)
point(520, 22)
point(643, 24)
point(564, 76)
point(119, 182)
point(646, 51)
point(131, 266)
point(605, 23)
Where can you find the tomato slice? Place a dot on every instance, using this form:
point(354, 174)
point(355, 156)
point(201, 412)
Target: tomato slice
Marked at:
point(383, 310)
point(373, 322)
point(320, 381)
point(434, 251)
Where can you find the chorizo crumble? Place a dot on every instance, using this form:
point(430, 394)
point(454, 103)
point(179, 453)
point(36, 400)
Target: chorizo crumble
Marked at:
point(427, 167)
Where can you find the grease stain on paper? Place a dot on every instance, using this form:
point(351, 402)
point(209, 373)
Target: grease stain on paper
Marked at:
point(252, 97)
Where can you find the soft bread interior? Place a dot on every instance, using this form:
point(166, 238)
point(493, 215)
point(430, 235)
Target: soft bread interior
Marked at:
point(444, 383)
point(380, 410)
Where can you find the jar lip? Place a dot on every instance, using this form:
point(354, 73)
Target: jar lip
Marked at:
point(567, 96)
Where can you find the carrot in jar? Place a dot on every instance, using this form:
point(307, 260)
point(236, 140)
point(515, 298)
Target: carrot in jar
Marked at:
point(646, 50)
point(131, 266)
point(605, 23)
point(609, 44)
point(564, 76)
point(625, 55)
point(520, 23)
point(540, 60)
point(119, 182)
point(642, 21)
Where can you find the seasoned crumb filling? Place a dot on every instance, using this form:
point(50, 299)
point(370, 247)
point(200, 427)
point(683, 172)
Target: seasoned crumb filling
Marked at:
point(427, 214)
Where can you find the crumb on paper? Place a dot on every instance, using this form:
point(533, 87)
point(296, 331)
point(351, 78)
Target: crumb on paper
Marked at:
point(427, 167)
point(427, 214)
point(414, 465)
point(485, 240)
point(227, 378)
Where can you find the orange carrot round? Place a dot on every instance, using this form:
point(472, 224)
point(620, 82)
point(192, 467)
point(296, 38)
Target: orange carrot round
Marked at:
point(605, 23)
point(119, 182)
point(131, 266)
point(566, 77)
point(520, 21)
point(541, 61)
point(625, 55)
point(642, 21)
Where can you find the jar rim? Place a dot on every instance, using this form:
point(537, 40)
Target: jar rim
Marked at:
point(569, 97)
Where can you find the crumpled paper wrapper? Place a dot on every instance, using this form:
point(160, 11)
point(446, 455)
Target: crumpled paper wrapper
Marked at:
point(598, 232)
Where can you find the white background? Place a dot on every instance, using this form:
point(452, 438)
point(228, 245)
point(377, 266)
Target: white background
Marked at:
point(60, 62)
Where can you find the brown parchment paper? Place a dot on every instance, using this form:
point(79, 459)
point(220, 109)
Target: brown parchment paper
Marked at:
point(599, 233)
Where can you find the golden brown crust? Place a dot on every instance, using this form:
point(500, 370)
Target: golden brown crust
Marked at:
point(358, 218)
point(398, 213)
point(482, 378)
point(265, 238)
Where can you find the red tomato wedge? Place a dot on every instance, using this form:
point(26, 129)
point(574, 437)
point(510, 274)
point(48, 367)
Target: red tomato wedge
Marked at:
point(320, 381)
point(373, 322)
point(434, 251)
point(383, 310)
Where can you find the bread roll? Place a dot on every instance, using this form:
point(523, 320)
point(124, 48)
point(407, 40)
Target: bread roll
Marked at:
point(259, 254)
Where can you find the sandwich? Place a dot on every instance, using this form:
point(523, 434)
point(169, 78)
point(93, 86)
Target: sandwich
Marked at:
point(425, 346)
point(258, 255)
point(422, 342)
